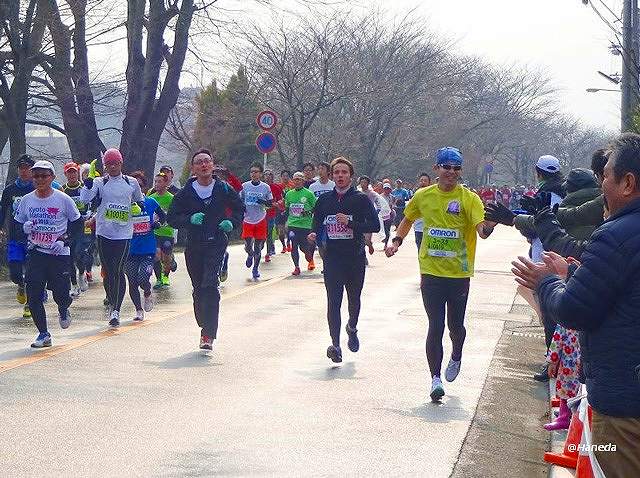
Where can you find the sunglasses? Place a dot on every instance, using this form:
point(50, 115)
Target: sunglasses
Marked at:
point(449, 167)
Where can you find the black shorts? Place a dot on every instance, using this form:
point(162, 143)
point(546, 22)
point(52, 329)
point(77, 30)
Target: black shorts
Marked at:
point(165, 244)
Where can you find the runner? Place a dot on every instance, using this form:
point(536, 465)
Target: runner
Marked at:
point(452, 216)
point(142, 253)
point(88, 251)
point(165, 235)
point(168, 172)
point(343, 216)
point(16, 239)
point(309, 171)
point(380, 205)
point(200, 207)
point(424, 180)
point(318, 188)
point(401, 195)
point(281, 219)
point(48, 217)
point(115, 193)
point(223, 173)
point(76, 259)
point(298, 203)
point(388, 220)
point(272, 214)
point(256, 196)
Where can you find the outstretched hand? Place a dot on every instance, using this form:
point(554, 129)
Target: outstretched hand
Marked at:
point(529, 274)
point(499, 213)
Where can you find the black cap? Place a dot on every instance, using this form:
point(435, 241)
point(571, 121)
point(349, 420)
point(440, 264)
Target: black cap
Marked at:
point(25, 160)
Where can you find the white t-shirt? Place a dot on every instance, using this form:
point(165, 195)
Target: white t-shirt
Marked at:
point(49, 216)
point(203, 192)
point(318, 188)
point(250, 194)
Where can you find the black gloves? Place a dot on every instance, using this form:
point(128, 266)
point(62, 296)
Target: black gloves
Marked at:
point(535, 204)
point(88, 183)
point(498, 213)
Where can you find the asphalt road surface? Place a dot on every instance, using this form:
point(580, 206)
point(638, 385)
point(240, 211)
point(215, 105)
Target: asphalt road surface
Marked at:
point(145, 401)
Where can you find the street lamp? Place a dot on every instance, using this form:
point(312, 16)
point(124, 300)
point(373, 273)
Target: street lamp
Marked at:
point(595, 90)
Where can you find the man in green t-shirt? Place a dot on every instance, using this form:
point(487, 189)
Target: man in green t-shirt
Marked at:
point(165, 239)
point(298, 204)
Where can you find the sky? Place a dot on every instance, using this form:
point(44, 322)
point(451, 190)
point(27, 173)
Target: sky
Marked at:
point(563, 38)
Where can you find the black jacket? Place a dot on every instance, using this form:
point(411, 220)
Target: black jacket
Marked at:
point(8, 204)
point(364, 220)
point(224, 203)
point(601, 300)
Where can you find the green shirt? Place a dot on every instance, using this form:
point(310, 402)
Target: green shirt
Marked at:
point(165, 201)
point(299, 204)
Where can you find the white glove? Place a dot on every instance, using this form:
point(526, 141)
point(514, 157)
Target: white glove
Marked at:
point(27, 227)
point(57, 248)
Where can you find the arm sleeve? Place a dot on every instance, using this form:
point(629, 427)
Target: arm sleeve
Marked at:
point(87, 195)
point(412, 210)
point(370, 221)
point(318, 219)
point(20, 216)
point(588, 214)
point(178, 216)
point(585, 300)
point(236, 207)
point(162, 216)
point(4, 207)
point(554, 238)
point(137, 192)
point(524, 224)
point(234, 182)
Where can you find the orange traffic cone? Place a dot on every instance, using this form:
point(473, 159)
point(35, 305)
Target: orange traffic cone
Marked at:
point(569, 456)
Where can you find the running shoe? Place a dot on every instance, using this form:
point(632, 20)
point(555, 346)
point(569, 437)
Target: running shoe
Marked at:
point(353, 343)
point(26, 312)
point(165, 280)
point(289, 248)
point(311, 265)
point(334, 353)
point(74, 292)
point(283, 251)
point(106, 302)
point(308, 256)
point(21, 295)
point(115, 319)
point(158, 284)
point(267, 258)
point(453, 369)
point(64, 319)
point(206, 342)
point(83, 283)
point(174, 265)
point(42, 340)
point(437, 390)
point(139, 316)
point(89, 277)
point(224, 274)
point(296, 272)
point(148, 302)
point(255, 273)
point(249, 261)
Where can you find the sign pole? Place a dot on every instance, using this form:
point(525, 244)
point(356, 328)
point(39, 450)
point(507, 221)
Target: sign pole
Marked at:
point(264, 164)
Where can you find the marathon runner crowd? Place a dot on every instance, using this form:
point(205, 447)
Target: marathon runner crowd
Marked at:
point(581, 275)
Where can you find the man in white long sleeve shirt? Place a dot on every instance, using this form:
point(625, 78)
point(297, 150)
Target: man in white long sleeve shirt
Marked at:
point(114, 228)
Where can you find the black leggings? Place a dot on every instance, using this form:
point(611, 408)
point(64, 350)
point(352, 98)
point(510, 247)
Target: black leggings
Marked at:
point(138, 270)
point(387, 230)
point(113, 254)
point(438, 292)
point(298, 240)
point(253, 247)
point(340, 273)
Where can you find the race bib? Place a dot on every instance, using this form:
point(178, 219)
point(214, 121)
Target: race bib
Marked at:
point(141, 225)
point(251, 199)
point(296, 209)
point(442, 242)
point(336, 230)
point(43, 239)
point(118, 213)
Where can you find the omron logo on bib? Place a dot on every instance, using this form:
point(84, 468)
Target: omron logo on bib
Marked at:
point(445, 233)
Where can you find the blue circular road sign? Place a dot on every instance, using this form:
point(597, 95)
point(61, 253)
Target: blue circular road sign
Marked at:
point(266, 142)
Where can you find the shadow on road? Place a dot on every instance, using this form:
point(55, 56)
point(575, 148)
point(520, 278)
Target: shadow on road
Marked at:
point(335, 372)
point(198, 358)
point(449, 410)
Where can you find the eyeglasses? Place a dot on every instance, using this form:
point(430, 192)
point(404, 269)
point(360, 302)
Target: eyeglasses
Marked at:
point(449, 167)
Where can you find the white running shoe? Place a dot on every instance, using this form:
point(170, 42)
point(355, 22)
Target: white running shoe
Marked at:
point(453, 369)
point(115, 319)
point(83, 283)
point(74, 292)
point(437, 390)
point(148, 303)
point(139, 316)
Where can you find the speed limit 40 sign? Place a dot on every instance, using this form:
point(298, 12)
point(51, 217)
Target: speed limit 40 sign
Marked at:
point(267, 120)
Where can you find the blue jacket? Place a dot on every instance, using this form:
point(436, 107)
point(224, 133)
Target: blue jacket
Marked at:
point(602, 301)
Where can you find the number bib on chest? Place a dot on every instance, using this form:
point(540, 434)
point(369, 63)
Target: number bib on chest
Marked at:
point(43, 239)
point(442, 242)
point(141, 225)
point(336, 230)
point(118, 213)
point(296, 209)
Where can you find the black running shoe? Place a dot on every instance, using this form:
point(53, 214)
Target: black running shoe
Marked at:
point(353, 343)
point(334, 353)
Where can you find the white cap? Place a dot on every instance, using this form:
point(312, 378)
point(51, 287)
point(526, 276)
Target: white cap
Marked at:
point(548, 163)
point(298, 175)
point(43, 164)
point(387, 186)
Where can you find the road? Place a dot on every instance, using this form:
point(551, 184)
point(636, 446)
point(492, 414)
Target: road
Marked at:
point(144, 401)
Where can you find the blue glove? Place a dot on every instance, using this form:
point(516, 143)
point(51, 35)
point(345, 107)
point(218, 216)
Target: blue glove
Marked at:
point(225, 226)
point(57, 248)
point(197, 219)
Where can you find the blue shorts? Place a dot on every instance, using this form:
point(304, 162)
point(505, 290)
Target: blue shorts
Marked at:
point(16, 251)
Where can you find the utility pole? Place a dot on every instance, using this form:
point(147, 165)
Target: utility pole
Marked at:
point(629, 85)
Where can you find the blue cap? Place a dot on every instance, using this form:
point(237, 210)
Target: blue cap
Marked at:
point(449, 155)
